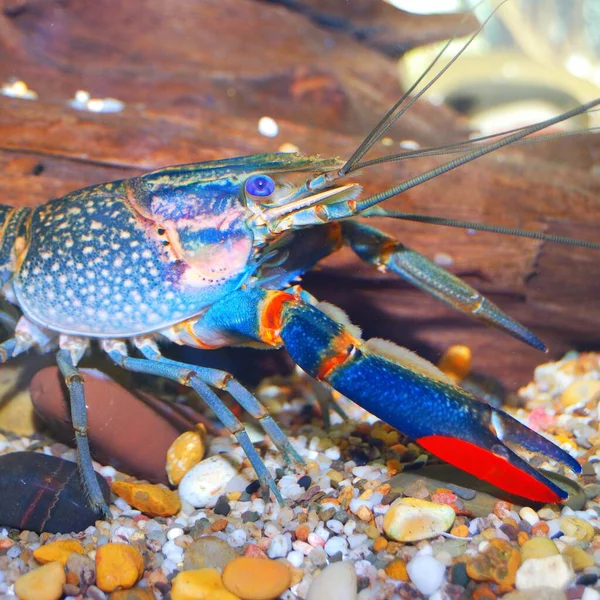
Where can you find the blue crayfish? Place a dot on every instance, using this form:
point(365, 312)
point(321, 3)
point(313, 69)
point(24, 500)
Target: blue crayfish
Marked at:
point(205, 255)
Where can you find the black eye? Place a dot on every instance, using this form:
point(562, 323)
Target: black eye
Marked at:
point(260, 185)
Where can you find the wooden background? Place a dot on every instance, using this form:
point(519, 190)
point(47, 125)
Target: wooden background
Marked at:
point(195, 78)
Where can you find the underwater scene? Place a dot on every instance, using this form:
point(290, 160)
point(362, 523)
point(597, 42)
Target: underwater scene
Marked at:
point(300, 300)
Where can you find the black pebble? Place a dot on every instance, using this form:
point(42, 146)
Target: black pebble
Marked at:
point(253, 487)
point(359, 457)
point(304, 481)
point(250, 516)
point(587, 579)
point(44, 493)
point(459, 574)
point(222, 507)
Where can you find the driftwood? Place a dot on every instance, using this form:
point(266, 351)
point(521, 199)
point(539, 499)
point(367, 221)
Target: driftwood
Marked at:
point(196, 77)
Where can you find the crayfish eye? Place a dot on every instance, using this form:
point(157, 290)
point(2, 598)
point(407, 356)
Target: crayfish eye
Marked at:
point(260, 186)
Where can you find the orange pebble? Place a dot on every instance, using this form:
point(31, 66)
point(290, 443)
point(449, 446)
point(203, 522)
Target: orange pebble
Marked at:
point(456, 362)
point(540, 529)
point(302, 532)
point(397, 570)
point(153, 500)
point(219, 525)
point(502, 509)
point(118, 566)
point(380, 544)
point(394, 466)
point(256, 578)
point(57, 551)
point(384, 488)
point(522, 537)
point(460, 531)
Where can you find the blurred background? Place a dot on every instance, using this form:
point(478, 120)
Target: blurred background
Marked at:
point(93, 92)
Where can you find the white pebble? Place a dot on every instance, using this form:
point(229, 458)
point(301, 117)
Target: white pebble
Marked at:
point(296, 558)
point(529, 515)
point(349, 527)
point(268, 127)
point(356, 539)
point(172, 552)
point(335, 526)
point(174, 533)
point(336, 544)
point(271, 530)
point(302, 547)
point(590, 594)
point(550, 571)
point(426, 573)
point(238, 538)
point(315, 540)
point(322, 532)
point(280, 546)
point(338, 580)
point(333, 453)
point(203, 484)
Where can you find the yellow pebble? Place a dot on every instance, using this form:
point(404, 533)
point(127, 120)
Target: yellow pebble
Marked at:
point(380, 543)
point(538, 547)
point(335, 476)
point(456, 362)
point(254, 578)
point(577, 528)
point(460, 531)
point(580, 391)
point(397, 570)
point(118, 566)
point(185, 452)
point(43, 583)
point(57, 551)
point(152, 500)
point(364, 513)
point(578, 558)
point(200, 584)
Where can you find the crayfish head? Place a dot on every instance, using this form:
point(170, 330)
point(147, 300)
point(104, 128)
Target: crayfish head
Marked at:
point(288, 191)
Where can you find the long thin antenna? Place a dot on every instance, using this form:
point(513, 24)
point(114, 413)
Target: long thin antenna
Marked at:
point(390, 117)
point(362, 205)
point(536, 235)
point(467, 146)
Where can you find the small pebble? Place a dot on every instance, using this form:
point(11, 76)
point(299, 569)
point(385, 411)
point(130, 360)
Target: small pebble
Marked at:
point(200, 584)
point(577, 528)
point(43, 583)
point(539, 547)
point(397, 570)
point(336, 544)
point(338, 580)
point(410, 519)
point(578, 558)
point(185, 452)
point(118, 566)
point(529, 515)
point(280, 546)
point(551, 571)
point(426, 573)
point(152, 500)
point(202, 485)
point(57, 551)
point(256, 578)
